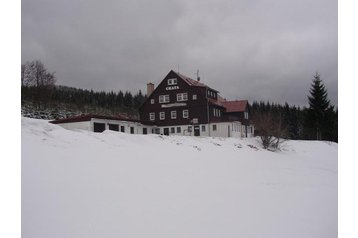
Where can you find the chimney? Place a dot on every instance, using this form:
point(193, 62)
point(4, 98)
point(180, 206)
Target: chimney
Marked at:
point(150, 89)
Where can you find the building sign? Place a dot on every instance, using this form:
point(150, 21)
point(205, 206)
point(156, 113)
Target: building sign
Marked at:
point(172, 88)
point(177, 104)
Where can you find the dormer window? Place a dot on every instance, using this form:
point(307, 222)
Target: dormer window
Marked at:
point(172, 81)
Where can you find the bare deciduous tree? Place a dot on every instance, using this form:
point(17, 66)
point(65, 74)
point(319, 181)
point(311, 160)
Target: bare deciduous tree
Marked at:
point(270, 128)
point(35, 75)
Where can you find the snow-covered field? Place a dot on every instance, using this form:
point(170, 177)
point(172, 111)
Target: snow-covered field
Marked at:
point(83, 184)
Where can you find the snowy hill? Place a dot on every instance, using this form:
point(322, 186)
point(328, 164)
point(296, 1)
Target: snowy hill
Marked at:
point(83, 184)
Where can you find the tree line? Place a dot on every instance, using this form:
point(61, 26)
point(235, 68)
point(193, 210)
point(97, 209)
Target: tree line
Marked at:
point(319, 121)
point(38, 88)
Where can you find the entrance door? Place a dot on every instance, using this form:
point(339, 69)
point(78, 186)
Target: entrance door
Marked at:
point(166, 131)
point(196, 130)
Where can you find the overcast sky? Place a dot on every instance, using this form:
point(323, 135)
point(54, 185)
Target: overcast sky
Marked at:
point(255, 50)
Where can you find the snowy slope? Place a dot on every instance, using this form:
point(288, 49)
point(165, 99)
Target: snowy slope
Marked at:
point(82, 184)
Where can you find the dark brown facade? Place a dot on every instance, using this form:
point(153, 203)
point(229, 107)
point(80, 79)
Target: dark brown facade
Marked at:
point(181, 94)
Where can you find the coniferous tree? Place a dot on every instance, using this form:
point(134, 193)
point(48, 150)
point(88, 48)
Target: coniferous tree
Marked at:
point(316, 121)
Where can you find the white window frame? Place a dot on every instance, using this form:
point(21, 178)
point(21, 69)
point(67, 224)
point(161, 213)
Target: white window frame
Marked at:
point(164, 98)
point(185, 113)
point(179, 97)
point(182, 97)
point(172, 81)
point(185, 96)
point(152, 101)
point(161, 115)
point(203, 127)
point(246, 115)
point(152, 116)
point(195, 97)
point(215, 128)
point(173, 114)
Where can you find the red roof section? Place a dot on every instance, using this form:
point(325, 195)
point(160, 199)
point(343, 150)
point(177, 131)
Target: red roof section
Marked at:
point(89, 117)
point(235, 106)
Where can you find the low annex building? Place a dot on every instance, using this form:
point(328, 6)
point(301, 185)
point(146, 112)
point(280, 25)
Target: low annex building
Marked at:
point(99, 123)
point(179, 105)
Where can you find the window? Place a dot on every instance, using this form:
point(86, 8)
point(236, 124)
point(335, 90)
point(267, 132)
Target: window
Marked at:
point(152, 116)
point(190, 129)
point(216, 112)
point(194, 97)
point(185, 113)
point(203, 128)
point(145, 131)
point(173, 114)
point(162, 115)
point(214, 127)
point(185, 96)
point(172, 130)
point(98, 127)
point(132, 130)
point(113, 127)
point(122, 129)
point(178, 129)
point(151, 101)
point(172, 81)
point(163, 98)
point(246, 114)
point(182, 97)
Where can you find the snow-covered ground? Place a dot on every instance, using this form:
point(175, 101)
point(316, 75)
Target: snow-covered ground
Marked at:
point(84, 184)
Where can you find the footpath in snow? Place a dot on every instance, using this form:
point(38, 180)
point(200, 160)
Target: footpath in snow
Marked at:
point(85, 184)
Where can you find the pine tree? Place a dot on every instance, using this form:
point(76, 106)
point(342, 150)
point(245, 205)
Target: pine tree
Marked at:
point(319, 104)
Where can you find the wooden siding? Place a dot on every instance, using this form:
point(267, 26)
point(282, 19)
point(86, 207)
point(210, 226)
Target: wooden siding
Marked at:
point(197, 108)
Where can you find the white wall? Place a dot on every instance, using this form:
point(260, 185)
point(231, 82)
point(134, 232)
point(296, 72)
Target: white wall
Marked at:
point(82, 125)
point(223, 129)
point(226, 129)
point(138, 127)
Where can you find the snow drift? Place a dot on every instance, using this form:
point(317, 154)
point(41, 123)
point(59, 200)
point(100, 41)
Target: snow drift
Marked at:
point(83, 184)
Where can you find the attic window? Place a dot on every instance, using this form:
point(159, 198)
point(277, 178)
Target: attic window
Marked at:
point(172, 81)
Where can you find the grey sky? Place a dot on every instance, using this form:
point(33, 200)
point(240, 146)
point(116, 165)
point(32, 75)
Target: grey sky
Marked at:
point(256, 50)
